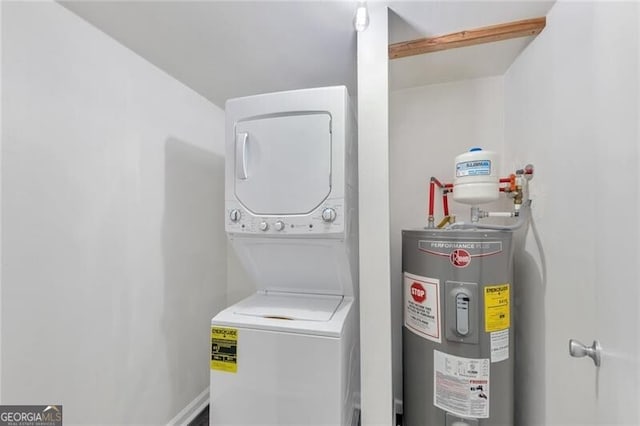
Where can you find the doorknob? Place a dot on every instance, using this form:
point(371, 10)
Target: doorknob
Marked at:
point(578, 350)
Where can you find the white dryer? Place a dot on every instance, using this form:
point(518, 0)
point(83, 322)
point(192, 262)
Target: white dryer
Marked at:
point(289, 354)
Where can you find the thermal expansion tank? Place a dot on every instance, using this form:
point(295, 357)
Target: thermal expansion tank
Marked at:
point(476, 177)
point(458, 340)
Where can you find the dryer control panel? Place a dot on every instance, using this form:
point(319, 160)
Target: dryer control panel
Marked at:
point(328, 218)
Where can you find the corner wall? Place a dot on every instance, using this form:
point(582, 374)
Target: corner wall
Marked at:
point(113, 244)
point(373, 184)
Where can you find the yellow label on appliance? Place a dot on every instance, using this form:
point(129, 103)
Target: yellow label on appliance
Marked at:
point(224, 349)
point(497, 312)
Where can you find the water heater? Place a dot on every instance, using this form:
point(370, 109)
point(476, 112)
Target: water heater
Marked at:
point(458, 340)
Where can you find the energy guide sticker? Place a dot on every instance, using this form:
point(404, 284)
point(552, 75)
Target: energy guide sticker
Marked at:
point(461, 385)
point(497, 312)
point(224, 349)
point(422, 306)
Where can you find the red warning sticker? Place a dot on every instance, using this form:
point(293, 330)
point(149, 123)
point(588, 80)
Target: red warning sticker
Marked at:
point(418, 293)
point(422, 306)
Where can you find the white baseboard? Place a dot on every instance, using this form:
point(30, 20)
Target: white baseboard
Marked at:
point(191, 411)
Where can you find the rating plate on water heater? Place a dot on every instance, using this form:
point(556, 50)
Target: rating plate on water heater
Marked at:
point(461, 385)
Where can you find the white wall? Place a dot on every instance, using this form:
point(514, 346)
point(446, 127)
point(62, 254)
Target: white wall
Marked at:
point(571, 103)
point(429, 126)
point(1, 127)
point(113, 244)
point(373, 184)
point(239, 282)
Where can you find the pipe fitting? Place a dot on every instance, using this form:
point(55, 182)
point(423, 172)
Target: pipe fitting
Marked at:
point(523, 219)
point(477, 214)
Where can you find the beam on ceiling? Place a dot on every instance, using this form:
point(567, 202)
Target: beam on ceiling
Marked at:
point(506, 31)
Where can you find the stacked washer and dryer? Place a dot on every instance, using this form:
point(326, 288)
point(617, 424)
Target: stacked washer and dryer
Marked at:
point(289, 354)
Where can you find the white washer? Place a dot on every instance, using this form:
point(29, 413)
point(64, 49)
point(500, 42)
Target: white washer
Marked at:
point(289, 354)
point(299, 371)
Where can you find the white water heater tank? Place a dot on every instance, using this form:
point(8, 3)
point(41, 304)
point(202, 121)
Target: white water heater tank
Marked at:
point(476, 177)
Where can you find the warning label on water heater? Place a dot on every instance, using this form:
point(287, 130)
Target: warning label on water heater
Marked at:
point(461, 385)
point(499, 345)
point(422, 306)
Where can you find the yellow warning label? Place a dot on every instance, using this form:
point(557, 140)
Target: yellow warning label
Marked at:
point(497, 313)
point(224, 349)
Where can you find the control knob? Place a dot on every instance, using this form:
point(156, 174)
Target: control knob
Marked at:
point(234, 215)
point(328, 215)
point(264, 226)
point(279, 225)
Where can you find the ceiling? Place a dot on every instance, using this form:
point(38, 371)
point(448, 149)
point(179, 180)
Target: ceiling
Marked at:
point(416, 19)
point(225, 49)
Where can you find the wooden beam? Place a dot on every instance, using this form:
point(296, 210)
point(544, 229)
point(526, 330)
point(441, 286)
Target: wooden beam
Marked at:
point(506, 31)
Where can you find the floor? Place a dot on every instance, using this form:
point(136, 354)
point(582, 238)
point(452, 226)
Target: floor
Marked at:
point(203, 419)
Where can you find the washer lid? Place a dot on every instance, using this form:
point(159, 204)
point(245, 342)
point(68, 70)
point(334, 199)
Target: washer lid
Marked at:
point(287, 306)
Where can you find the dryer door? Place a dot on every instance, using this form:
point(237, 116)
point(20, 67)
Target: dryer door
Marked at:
point(283, 164)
